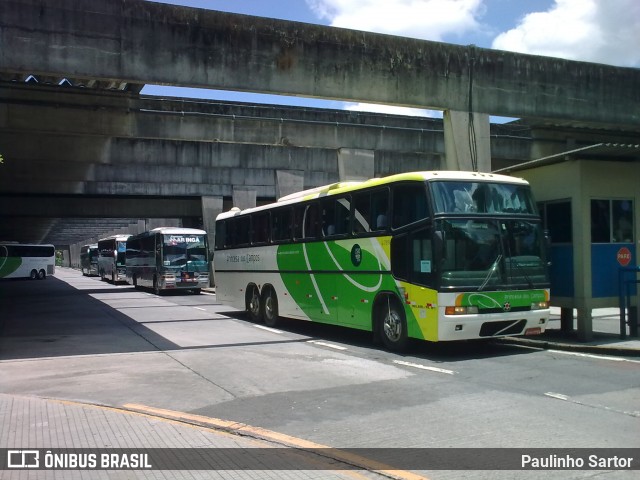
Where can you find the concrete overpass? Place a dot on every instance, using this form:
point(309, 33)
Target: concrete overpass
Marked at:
point(78, 139)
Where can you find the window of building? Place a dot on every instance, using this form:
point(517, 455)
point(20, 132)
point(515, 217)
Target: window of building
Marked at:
point(556, 218)
point(611, 221)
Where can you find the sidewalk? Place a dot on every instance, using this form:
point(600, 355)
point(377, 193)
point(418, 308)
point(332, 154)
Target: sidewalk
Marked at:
point(606, 336)
point(171, 442)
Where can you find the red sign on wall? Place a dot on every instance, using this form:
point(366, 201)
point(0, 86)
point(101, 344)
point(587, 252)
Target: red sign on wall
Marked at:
point(624, 256)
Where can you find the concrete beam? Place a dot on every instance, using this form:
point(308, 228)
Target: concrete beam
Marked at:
point(467, 142)
point(107, 207)
point(144, 42)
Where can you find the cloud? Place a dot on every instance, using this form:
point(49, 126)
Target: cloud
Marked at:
point(425, 19)
point(602, 31)
point(392, 110)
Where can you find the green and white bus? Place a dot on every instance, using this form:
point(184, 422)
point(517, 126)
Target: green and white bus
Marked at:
point(168, 258)
point(438, 256)
point(21, 260)
point(112, 258)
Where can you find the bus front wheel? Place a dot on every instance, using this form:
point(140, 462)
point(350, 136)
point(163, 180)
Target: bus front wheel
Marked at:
point(392, 325)
point(270, 307)
point(252, 303)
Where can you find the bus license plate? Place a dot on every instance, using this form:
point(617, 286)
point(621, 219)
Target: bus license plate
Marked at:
point(533, 331)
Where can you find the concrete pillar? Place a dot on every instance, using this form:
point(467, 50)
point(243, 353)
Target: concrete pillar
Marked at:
point(211, 207)
point(461, 133)
point(141, 226)
point(585, 325)
point(163, 222)
point(288, 182)
point(566, 320)
point(244, 197)
point(355, 164)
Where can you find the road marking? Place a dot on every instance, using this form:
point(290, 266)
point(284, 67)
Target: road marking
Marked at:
point(425, 367)
point(559, 396)
point(268, 329)
point(200, 308)
point(597, 357)
point(325, 344)
point(283, 439)
point(567, 398)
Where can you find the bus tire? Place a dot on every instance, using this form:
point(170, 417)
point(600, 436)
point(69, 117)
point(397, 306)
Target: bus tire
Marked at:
point(391, 324)
point(113, 277)
point(134, 281)
point(252, 303)
point(269, 307)
point(33, 275)
point(42, 275)
point(156, 287)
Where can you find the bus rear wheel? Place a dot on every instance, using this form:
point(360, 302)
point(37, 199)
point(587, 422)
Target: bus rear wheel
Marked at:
point(156, 287)
point(392, 325)
point(33, 275)
point(270, 307)
point(252, 303)
point(42, 275)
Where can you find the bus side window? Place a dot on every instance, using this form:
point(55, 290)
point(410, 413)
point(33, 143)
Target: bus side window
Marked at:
point(260, 228)
point(312, 221)
point(343, 215)
point(243, 230)
point(380, 210)
point(221, 234)
point(281, 224)
point(298, 221)
point(409, 204)
point(361, 213)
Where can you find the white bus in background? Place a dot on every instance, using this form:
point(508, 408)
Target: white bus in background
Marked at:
point(168, 258)
point(20, 260)
point(89, 259)
point(112, 258)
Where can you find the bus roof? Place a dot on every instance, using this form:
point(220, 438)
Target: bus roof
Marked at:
point(171, 231)
point(120, 237)
point(345, 187)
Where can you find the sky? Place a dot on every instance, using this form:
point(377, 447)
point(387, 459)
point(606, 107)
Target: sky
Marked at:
point(601, 31)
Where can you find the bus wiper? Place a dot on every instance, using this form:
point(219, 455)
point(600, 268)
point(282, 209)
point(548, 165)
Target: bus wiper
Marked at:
point(493, 268)
point(523, 271)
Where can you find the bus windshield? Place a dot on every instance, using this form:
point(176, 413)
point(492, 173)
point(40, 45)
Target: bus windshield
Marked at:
point(488, 254)
point(482, 197)
point(185, 251)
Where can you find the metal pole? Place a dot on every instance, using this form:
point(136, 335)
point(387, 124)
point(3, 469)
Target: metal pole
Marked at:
point(622, 304)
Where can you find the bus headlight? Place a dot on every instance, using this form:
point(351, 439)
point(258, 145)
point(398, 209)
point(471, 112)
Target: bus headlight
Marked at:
point(460, 310)
point(539, 305)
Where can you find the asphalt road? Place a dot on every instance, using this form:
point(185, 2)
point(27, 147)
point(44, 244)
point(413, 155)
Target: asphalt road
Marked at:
point(77, 338)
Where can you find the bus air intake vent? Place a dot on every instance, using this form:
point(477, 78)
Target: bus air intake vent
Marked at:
point(505, 327)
